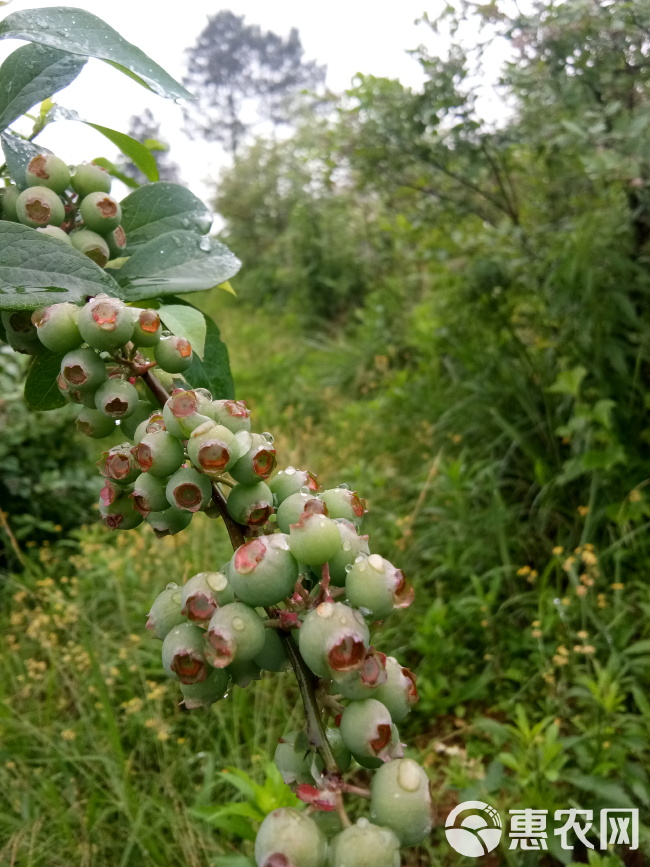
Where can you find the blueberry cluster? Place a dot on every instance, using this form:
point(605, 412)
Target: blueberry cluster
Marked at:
point(70, 203)
point(305, 571)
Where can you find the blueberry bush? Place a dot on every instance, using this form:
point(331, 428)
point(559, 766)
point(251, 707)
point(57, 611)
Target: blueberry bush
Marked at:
point(89, 290)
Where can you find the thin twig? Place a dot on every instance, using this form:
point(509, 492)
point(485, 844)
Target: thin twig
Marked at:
point(14, 542)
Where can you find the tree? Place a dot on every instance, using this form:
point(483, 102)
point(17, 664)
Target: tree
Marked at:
point(240, 75)
point(146, 129)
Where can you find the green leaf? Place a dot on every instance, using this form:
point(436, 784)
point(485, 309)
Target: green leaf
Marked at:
point(18, 152)
point(80, 32)
point(31, 74)
point(113, 170)
point(233, 861)
point(140, 156)
point(185, 321)
point(612, 794)
point(213, 371)
point(569, 381)
point(177, 261)
point(41, 391)
point(36, 270)
point(154, 210)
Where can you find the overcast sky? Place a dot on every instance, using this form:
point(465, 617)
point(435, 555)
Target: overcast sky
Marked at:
point(348, 36)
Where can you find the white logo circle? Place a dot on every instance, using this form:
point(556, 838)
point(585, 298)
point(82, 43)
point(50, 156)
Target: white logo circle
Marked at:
point(473, 828)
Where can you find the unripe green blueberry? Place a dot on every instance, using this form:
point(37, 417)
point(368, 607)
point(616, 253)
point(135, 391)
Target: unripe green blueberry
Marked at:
point(400, 800)
point(95, 424)
point(213, 449)
point(120, 515)
point(365, 845)
point(315, 538)
point(244, 671)
point(168, 522)
point(399, 692)
point(257, 463)
point(363, 682)
point(182, 654)
point(203, 593)
point(288, 838)
point(294, 756)
point(75, 395)
point(273, 656)
point(105, 323)
point(341, 502)
point(154, 423)
point(46, 170)
point(250, 504)
point(88, 178)
point(149, 494)
point(159, 453)
point(367, 730)
point(173, 354)
point(290, 481)
point(20, 332)
point(333, 638)
point(235, 631)
point(100, 212)
point(189, 490)
point(116, 398)
point(165, 612)
point(206, 693)
point(56, 233)
point(263, 571)
point(233, 414)
point(141, 413)
point(119, 464)
point(377, 586)
point(9, 198)
point(83, 369)
point(39, 206)
point(57, 327)
point(352, 546)
point(184, 412)
point(116, 240)
point(291, 509)
point(147, 328)
point(92, 245)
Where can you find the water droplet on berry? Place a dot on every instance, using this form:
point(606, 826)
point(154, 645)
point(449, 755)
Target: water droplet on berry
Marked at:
point(205, 244)
point(238, 624)
point(344, 487)
point(322, 524)
point(171, 586)
point(267, 436)
point(305, 490)
point(347, 546)
point(290, 471)
point(176, 598)
point(326, 610)
point(216, 581)
point(348, 568)
point(377, 562)
point(365, 612)
point(362, 823)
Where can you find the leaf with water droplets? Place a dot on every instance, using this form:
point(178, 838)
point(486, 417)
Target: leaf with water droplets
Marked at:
point(18, 153)
point(162, 267)
point(31, 74)
point(156, 209)
point(80, 32)
point(36, 270)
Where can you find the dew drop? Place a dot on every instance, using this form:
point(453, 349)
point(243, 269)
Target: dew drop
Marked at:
point(365, 612)
point(72, 170)
point(178, 241)
point(216, 581)
point(347, 546)
point(305, 490)
point(267, 436)
point(171, 586)
point(344, 487)
point(326, 610)
point(359, 559)
point(290, 471)
point(176, 598)
point(238, 624)
point(205, 244)
point(348, 568)
point(362, 823)
point(377, 562)
point(185, 222)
